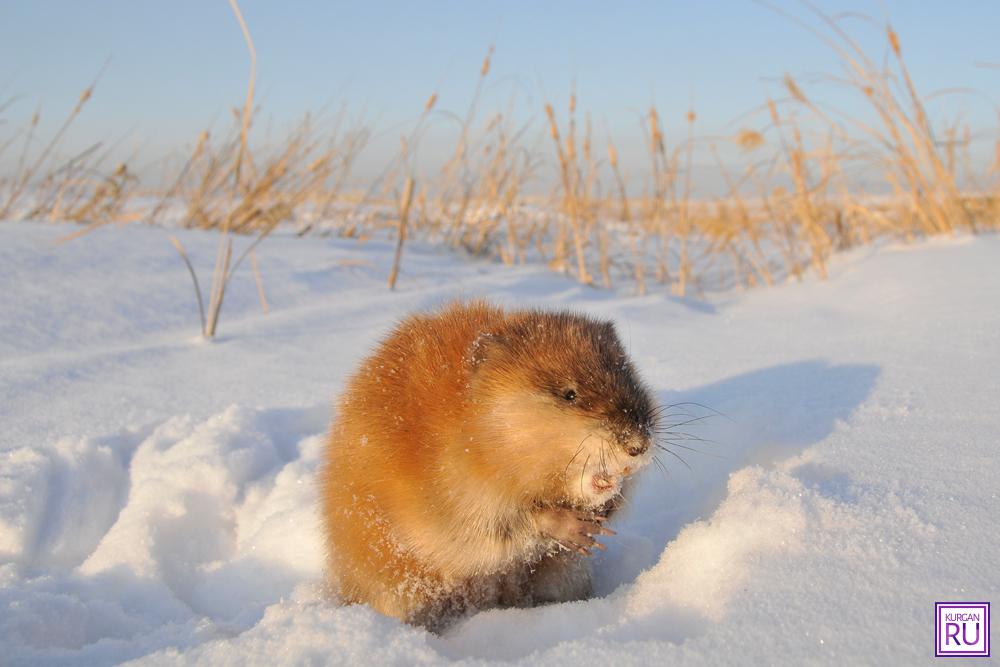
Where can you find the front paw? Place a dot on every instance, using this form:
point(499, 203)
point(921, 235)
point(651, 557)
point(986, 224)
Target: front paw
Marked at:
point(572, 529)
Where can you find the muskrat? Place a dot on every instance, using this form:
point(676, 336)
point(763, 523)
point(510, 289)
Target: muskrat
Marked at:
point(474, 458)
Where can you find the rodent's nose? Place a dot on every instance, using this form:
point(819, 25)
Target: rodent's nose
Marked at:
point(637, 448)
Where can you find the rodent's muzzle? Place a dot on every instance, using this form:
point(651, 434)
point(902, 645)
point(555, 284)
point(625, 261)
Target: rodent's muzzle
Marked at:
point(635, 441)
point(637, 447)
point(631, 435)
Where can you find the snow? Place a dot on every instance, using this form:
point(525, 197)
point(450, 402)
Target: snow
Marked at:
point(157, 494)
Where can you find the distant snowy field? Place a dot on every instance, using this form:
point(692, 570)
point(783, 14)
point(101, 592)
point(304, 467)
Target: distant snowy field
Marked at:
point(157, 492)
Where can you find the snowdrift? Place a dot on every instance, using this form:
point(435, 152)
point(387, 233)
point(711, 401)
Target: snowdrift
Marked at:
point(157, 492)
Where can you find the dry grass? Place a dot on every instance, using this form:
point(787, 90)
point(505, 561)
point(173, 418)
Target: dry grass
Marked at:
point(788, 207)
point(47, 185)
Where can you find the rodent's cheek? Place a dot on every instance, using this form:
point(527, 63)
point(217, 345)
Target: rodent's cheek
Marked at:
point(529, 423)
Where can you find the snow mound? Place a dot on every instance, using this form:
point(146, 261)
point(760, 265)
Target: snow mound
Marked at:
point(120, 538)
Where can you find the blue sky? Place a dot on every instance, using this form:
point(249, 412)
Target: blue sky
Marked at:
point(175, 66)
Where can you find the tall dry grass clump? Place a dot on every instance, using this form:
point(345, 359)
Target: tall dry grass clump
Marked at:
point(790, 200)
point(45, 183)
point(575, 195)
point(237, 190)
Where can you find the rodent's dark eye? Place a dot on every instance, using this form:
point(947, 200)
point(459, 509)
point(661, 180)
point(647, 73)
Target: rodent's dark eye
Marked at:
point(569, 394)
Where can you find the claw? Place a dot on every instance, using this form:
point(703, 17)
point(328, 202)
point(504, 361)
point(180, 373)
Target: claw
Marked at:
point(573, 529)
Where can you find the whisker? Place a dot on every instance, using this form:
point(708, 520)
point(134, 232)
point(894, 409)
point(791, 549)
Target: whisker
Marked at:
point(693, 420)
point(699, 405)
point(660, 409)
point(578, 450)
point(675, 444)
point(671, 437)
point(660, 419)
point(682, 435)
point(614, 454)
point(663, 468)
point(690, 449)
point(701, 441)
point(663, 409)
point(676, 456)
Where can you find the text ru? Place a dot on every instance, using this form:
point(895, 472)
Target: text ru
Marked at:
point(951, 631)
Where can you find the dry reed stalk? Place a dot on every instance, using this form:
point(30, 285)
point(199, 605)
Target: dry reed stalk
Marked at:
point(173, 190)
point(455, 170)
point(633, 232)
point(218, 289)
point(259, 282)
point(625, 214)
point(220, 272)
point(744, 226)
point(404, 212)
point(794, 156)
point(567, 171)
point(247, 111)
point(224, 267)
point(27, 174)
point(592, 212)
point(194, 279)
point(684, 227)
point(663, 181)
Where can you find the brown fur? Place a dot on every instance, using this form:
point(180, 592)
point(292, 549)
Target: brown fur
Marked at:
point(451, 471)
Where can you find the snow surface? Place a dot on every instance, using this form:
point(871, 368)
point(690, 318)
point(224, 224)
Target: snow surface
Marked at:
point(157, 497)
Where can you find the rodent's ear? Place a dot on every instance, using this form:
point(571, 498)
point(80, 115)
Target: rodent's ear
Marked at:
point(608, 336)
point(607, 331)
point(485, 345)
